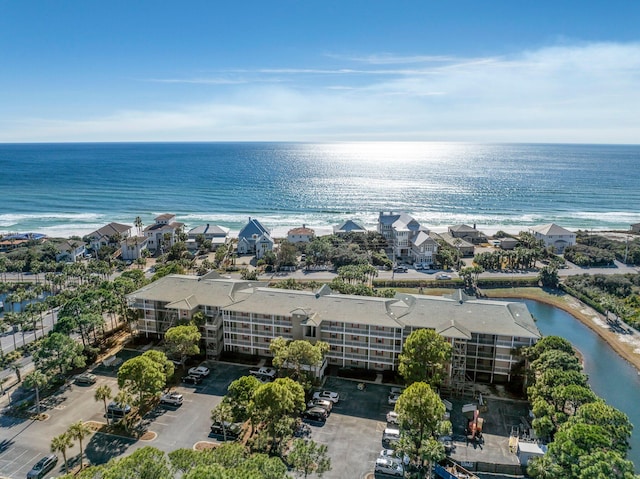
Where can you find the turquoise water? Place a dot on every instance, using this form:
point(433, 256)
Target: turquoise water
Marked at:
point(611, 377)
point(59, 189)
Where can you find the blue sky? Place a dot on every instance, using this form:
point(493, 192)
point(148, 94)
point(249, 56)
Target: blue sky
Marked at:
point(497, 71)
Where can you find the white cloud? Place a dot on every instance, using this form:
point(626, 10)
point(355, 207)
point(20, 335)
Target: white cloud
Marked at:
point(579, 93)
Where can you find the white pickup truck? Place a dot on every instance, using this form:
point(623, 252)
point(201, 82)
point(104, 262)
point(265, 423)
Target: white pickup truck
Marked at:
point(264, 374)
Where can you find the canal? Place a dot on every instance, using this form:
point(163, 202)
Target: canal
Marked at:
point(610, 376)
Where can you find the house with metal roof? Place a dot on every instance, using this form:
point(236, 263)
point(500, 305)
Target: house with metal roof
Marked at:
point(349, 226)
point(408, 240)
point(362, 332)
point(218, 235)
point(463, 246)
point(254, 239)
point(467, 233)
point(554, 236)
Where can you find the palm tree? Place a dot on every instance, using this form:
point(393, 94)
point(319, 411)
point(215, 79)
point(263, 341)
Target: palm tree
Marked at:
point(11, 319)
point(122, 399)
point(36, 380)
point(102, 394)
point(79, 430)
point(138, 224)
point(223, 415)
point(60, 444)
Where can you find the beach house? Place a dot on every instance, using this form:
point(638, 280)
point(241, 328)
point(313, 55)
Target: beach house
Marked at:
point(112, 233)
point(70, 251)
point(301, 235)
point(254, 239)
point(635, 228)
point(407, 239)
point(349, 226)
point(554, 236)
point(217, 235)
point(464, 247)
point(467, 233)
point(133, 248)
point(163, 233)
point(243, 317)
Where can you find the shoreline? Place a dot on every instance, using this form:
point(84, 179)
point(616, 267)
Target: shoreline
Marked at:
point(323, 225)
point(627, 347)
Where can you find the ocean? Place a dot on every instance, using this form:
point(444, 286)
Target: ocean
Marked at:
point(72, 189)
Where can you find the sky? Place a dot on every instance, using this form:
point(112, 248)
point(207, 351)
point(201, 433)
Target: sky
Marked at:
point(301, 70)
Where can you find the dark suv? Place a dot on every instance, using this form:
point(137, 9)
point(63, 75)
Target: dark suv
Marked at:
point(315, 414)
point(232, 430)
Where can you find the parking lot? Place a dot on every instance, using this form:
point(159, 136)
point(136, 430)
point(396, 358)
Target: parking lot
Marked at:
point(352, 433)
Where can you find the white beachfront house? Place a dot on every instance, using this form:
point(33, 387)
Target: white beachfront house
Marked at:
point(555, 236)
point(254, 239)
point(164, 224)
point(301, 235)
point(133, 248)
point(243, 317)
point(70, 251)
point(107, 234)
point(408, 240)
point(218, 235)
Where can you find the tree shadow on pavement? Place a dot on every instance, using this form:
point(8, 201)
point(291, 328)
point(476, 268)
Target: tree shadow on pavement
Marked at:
point(103, 447)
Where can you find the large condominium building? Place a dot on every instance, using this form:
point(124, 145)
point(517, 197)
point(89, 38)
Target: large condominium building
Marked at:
point(362, 332)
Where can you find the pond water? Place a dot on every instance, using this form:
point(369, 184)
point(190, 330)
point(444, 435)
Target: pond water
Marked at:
point(610, 376)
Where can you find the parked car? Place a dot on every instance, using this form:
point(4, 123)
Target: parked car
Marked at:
point(400, 269)
point(315, 414)
point(85, 378)
point(323, 403)
point(44, 465)
point(173, 398)
point(392, 399)
point(392, 417)
point(231, 430)
point(443, 276)
point(189, 379)
point(328, 395)
point(116, 410)
point(417, 266)
point(391, 453)
point(389, 437)
point(396, 390)
point(390, 466)
point(201, 371)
